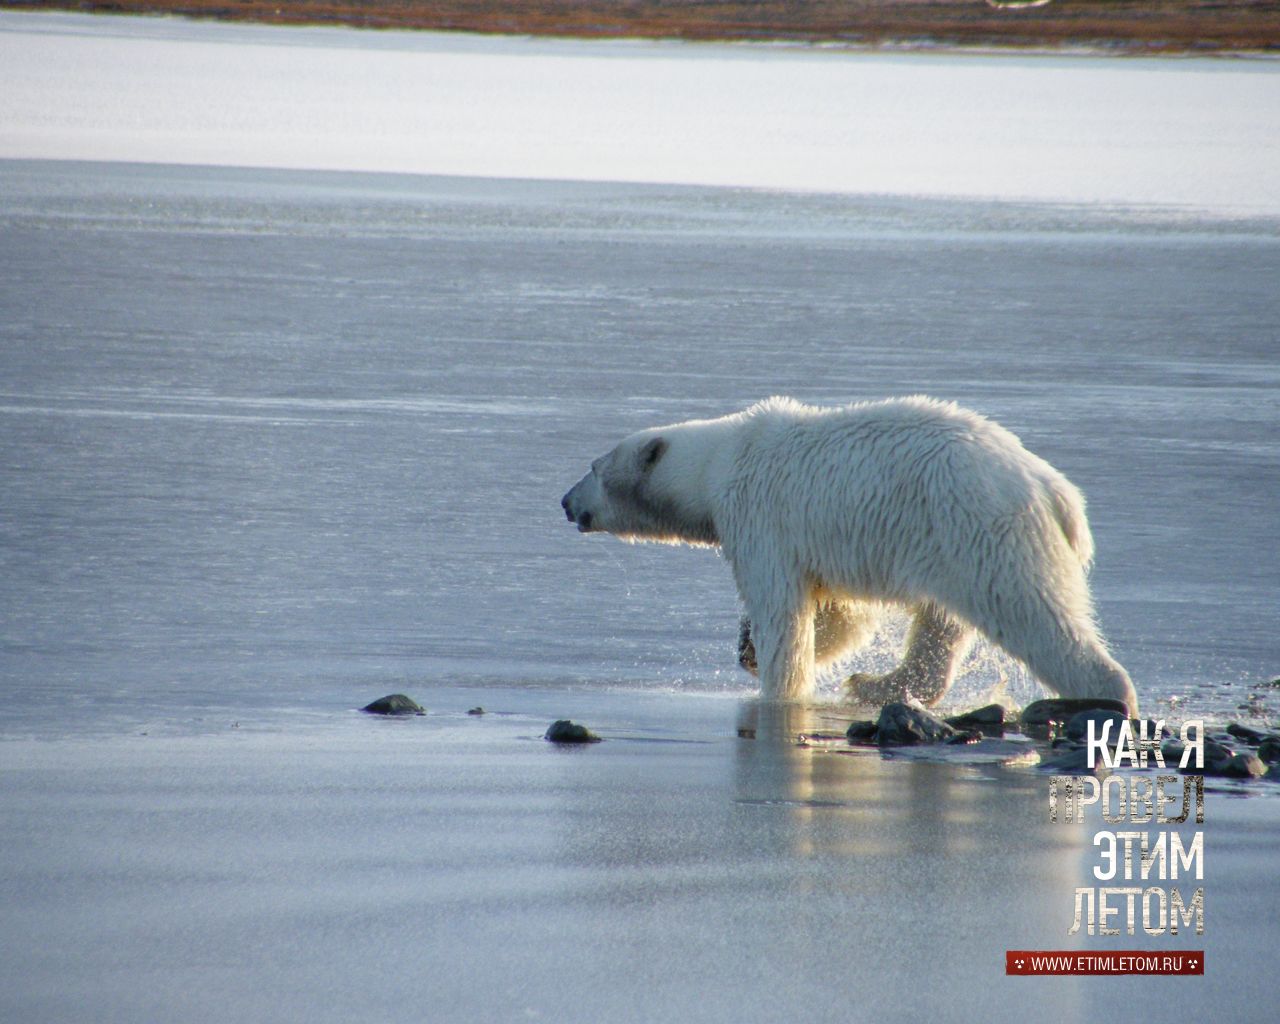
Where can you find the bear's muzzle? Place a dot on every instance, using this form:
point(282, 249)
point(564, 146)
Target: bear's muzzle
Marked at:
point(582, 518)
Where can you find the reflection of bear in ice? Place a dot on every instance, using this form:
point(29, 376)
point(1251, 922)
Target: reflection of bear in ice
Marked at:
point(828, 515)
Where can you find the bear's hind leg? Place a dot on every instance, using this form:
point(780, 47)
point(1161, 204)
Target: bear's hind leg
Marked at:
point(1046, 621)
point(1074, 663)
point(936, 644)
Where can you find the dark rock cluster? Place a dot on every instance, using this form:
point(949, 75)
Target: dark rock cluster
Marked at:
point(1236, 752)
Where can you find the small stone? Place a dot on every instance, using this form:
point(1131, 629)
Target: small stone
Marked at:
point(808, 739)
point(565, 731)
point(395, 704)
point(1071, 761)
point(965, 738)
point(1217, 757)
point(1273, 773)
point(1250, 735)
point(1269, 750)
point(990, 717)
point(476, 711)
point(901, 725)
point(1078, 725)
point(1244, 766)
point(861, 732)
point(1038, 714)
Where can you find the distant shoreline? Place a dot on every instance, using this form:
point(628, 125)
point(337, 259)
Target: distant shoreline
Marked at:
point(1123, 27)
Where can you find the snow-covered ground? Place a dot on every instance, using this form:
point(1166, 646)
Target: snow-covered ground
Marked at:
point(1200, 132)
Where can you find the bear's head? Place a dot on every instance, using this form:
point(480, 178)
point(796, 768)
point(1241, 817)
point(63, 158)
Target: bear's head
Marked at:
point(651, 487)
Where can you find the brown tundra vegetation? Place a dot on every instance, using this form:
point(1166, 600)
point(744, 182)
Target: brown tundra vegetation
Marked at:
point(1125, 26)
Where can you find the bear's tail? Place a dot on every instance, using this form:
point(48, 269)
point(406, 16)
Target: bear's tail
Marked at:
point(1068, 509)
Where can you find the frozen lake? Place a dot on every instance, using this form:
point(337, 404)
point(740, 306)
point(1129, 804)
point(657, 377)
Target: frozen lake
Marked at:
point(279, 437)
point(276, 442)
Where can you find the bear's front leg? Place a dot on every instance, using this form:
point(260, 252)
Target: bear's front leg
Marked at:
point(781, 633)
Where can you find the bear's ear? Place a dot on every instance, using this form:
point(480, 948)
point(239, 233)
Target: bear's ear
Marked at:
point(652, 452)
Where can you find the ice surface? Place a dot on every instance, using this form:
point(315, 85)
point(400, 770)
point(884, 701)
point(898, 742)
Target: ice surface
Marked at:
point(1199, 132)
point(269, 435)
point(457, 869)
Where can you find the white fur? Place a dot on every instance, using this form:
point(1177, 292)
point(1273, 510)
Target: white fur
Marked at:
point(829, 514)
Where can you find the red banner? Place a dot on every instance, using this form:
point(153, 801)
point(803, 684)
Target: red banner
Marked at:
point(1106, 961)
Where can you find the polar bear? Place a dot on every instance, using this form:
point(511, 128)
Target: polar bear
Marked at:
point(828, 516)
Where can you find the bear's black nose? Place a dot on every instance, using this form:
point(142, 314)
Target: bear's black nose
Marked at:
point(564, 504)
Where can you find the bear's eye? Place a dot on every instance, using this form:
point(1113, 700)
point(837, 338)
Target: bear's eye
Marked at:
point(652, 452)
